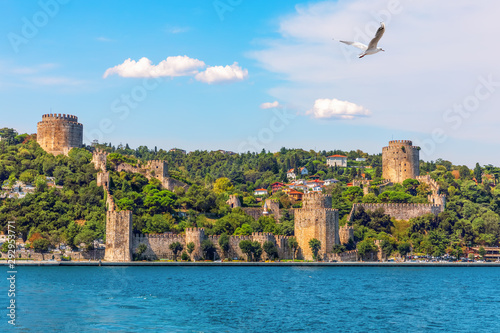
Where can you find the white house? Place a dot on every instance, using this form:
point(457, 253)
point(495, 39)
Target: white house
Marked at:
point(330, 181)
point(337, 160)
point(260, 191)
point(291, 173)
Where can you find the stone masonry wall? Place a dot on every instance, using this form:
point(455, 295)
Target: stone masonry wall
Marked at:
point(118, 236)
point(400, 161)
point(400, 211)
point(158, 245)
point(59, 133)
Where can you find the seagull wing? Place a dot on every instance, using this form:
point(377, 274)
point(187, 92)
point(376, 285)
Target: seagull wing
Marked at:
point(356, 44)
point(378, 35)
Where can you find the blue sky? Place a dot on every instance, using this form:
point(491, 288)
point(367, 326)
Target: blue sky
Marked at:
point(246, 75)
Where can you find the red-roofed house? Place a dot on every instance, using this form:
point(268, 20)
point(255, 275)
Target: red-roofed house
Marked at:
point(296, 195)
point(291, 173)
point(260, 191)
point(337, 160)
point(277, 186)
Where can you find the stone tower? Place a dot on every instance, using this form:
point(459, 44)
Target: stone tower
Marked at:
point(58, 133)
point(316, 219)
point(118, 235)
point(158, 169)
point(345, 233)
point(197, 236)
point(400, 161)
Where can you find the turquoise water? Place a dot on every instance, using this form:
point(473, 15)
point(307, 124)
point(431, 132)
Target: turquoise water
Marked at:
point(256, 299)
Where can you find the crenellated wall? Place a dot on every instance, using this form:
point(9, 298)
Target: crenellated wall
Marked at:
point(158, 244)
point(400, 211)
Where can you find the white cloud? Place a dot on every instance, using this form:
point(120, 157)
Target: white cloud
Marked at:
point(221, 74)
point(55, 81)
point(177, 30)
point(172, 66)
point(325, 108)
point(34, 69)
point(104, 39)
point(270, 105)
point(433, 60)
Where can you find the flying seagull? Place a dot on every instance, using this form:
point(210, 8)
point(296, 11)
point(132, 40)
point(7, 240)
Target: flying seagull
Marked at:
point(372, 47)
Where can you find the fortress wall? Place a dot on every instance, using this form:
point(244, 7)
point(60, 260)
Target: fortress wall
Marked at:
point(158, 245)
point(254, 212)
point(401, 211)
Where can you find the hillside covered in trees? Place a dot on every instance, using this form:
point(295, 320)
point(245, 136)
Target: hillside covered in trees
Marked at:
point(72, 209)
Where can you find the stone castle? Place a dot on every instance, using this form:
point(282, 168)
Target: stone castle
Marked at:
point(59, 133)
point(400, 161)
point(152, 169)
point(315, 220)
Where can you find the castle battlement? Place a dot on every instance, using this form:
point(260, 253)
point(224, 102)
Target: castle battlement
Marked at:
point(195, 229)
point(260, 234)
point(372, 206)
point(400, 142)
point(58, 116)
point(167, 235)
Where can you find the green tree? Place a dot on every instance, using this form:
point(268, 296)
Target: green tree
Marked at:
point(190, 247)
point(224, 243)
point(247, 248)
point(256, 250)
point(478, 173)
point(482, 252)
point(222, 185)
point(338, 248)
point(140, 250)
point(87, 237)
point(244, 230)
point(293, 245)
point(315, 246)
point(185, 256)
point(5, 247)
point(404, 249)
point(175, 247)
point(387, 247)
point(208, 249)
point(41, 245)
point(365, 247)
point(270, 249)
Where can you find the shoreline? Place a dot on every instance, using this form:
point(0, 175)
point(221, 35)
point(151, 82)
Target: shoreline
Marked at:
point(253, 264)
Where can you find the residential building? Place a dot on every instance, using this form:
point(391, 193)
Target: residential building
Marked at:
point(260, 191)
point(296, 195)
point(337, 160)
point(277, 186)
point(291, 173)
point(330, 181)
